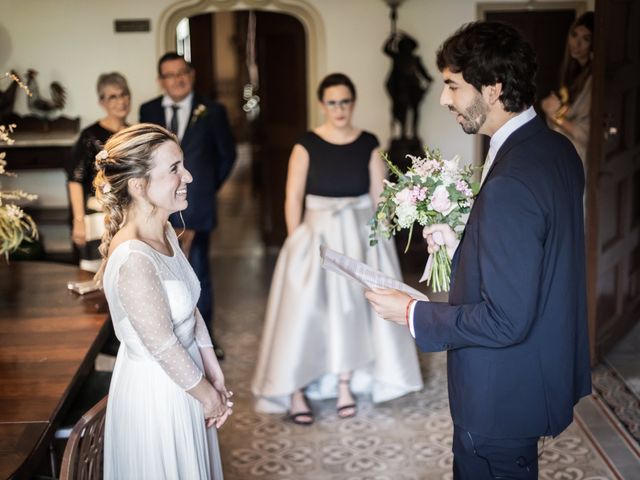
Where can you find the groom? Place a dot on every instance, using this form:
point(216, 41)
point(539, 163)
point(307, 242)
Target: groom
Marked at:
point(515, 327)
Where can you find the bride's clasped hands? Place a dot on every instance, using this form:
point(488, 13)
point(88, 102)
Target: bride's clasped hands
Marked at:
point(220, 406)
point(220, 409)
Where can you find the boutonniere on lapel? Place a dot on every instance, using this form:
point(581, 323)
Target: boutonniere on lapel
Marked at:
point(198, 112)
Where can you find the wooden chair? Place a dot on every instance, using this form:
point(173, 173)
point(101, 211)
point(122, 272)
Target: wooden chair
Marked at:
point(82, 458)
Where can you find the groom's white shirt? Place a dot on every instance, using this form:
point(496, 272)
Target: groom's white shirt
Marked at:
point(497, 140)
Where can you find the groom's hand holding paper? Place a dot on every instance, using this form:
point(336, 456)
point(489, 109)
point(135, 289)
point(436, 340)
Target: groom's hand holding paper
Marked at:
point(388, 296)
point(390, 304)
point(363, 274)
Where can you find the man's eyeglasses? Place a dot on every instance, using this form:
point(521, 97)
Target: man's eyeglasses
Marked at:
point(173, 76)
point(342, 104)
point(116, 97)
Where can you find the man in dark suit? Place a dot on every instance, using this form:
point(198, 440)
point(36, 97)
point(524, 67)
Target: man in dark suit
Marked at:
point(515, 326)
point(202, 127)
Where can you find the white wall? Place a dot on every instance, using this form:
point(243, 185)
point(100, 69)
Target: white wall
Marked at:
point(72, 41)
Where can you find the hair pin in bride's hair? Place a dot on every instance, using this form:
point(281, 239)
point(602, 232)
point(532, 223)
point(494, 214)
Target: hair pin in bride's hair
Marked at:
point(102, 155)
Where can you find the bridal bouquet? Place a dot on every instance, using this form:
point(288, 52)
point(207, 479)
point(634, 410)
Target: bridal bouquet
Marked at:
point(432, 190)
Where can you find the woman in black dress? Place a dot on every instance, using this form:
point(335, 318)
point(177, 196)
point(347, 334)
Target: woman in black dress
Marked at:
point(86, 231)
point(320, 335)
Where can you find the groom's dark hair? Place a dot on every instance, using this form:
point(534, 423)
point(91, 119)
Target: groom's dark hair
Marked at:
point(487, 53)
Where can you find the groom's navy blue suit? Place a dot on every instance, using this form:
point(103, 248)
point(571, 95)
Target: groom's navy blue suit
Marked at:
point(209, 154)
point(515, 326)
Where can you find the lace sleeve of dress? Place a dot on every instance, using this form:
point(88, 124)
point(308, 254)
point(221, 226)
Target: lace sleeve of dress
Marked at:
point(145, 302)
point(203, 339)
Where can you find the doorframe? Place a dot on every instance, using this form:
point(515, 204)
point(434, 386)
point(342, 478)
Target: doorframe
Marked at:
point(300, 9)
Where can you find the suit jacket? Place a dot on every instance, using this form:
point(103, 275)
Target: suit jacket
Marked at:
point(209, 154)
point(515, 326)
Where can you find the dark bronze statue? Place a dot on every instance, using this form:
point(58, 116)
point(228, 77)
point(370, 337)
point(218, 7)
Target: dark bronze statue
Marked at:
point(407, 84)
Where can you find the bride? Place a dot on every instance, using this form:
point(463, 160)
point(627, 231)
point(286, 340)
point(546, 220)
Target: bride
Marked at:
point(167, 390)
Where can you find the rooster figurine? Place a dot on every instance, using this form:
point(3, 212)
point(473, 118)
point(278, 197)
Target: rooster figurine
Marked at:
point(42, 106)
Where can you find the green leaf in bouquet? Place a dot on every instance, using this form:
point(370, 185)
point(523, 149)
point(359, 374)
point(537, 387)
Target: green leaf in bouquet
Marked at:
point(392, 167)
point(440, 277)
point(406, 249)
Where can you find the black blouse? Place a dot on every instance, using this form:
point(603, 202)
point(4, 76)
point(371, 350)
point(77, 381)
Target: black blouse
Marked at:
point(338, 170)
point(91, 141)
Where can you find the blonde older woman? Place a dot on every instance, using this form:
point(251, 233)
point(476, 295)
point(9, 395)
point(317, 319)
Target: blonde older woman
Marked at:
point(115, 100)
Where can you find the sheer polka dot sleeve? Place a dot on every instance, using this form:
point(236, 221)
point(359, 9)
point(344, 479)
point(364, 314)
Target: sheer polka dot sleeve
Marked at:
point(203, 339)
point(144, 300)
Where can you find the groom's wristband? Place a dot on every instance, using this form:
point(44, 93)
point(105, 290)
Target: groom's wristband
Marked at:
point(406, 314)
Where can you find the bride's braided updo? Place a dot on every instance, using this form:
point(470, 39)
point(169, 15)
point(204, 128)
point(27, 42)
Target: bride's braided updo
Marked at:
point(126, 155)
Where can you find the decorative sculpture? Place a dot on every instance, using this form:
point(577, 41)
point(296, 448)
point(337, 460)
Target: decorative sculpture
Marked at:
point(407, 84)
point(46, 113)
point(43, 107)
point(408, 81)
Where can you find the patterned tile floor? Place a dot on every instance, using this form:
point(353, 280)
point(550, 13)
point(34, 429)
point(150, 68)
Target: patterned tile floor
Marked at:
point(619, 398)
point(405, 439)
point(618, 381)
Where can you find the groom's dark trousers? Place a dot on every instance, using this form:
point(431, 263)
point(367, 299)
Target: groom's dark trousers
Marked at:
point(481, 458)
point(515, 326)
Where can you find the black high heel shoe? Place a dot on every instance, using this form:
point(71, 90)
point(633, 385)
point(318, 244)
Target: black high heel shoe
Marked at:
point(304, 417)
point(343, 411)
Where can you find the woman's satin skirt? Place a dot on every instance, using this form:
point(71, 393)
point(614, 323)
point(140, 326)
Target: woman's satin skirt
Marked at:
point(319, 324)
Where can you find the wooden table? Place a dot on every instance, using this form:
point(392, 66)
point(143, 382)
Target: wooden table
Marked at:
point(49, 338)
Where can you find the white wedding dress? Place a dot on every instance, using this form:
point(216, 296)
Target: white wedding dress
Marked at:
point(154, 428)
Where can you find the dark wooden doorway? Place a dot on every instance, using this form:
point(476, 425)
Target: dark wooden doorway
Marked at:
point(613, 176)
point(201, 29)
point(281, 59)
